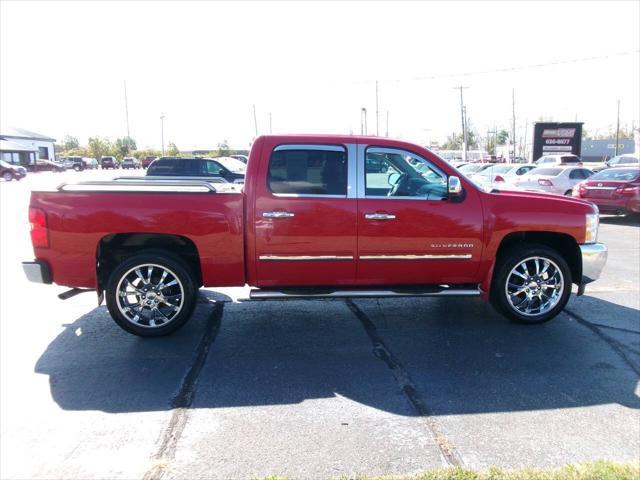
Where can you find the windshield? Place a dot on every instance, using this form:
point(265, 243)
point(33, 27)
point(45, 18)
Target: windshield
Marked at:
point(4, 164)
point(617, 174)
point(232, 164)
point(473, 168)
point(620, 159)
point(495, 170)
point(551, 172)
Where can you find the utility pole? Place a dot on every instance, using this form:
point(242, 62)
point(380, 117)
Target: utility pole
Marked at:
point(513, 108)
point(387, 131)
point(466, 133)
point(255, 119)
point(162, 131)
point(617, 129)
point(464, 124)
point(270, 124)
point(377, 131)
point(126, 111)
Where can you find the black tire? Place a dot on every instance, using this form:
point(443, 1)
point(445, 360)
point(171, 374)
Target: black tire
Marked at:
point(512, 258)
point(8, 176)
point(568, 193)
point(77, 168)
point(177, 268)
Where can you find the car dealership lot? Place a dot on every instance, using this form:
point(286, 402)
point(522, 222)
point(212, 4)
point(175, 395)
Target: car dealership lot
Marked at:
point(311, 388)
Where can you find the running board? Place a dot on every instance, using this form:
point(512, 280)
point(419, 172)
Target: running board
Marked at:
point(309, 293)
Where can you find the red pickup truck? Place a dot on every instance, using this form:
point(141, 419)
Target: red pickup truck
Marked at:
point(318, 216)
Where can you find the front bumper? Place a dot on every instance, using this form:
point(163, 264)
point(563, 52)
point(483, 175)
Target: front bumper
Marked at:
point(38, 272)
point(594, 258)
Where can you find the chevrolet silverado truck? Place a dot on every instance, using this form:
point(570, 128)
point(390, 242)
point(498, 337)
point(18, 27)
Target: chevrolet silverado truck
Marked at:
point(318, 216)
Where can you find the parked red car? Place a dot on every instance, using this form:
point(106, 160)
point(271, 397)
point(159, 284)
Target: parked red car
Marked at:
point(313, 220)
point(614, 190)
point(146, 161)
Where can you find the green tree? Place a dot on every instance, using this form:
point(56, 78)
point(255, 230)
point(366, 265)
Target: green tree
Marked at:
point(501, 137)
point(454, 141)
point(223, 148)
point(100, 147)
point(125, 145)
point(172, 150)
point(69, 142)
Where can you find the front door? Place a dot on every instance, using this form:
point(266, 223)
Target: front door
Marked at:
point(409, 232)
point(305, 216)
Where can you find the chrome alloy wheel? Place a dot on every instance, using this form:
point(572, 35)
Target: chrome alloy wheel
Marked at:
point(150, 295)
point(534, 286)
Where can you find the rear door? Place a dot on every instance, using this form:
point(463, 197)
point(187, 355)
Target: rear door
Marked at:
point(305, 215)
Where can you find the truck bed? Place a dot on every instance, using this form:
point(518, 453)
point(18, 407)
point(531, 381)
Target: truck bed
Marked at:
point(80, 216)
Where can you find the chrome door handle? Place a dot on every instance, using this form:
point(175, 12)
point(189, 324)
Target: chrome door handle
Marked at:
point(278, 214)
point(379, 216)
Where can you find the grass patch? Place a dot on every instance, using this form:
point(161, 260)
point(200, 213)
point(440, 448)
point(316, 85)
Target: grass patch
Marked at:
point(600, 470)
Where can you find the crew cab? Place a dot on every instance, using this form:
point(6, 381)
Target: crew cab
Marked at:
point(317, 216)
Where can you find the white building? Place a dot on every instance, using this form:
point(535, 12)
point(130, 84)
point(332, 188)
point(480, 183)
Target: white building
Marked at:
point(24, 147)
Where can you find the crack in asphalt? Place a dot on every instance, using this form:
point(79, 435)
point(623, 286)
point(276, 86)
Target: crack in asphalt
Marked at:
point(407, 386)
point(618, 347)
point(181, 403)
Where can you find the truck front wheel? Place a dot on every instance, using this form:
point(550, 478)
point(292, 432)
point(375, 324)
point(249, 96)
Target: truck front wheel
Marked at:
point(151, 294)
point(532, 284)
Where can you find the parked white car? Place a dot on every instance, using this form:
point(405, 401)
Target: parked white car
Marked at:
point(558, 180)
point(551, 160)
point(500, 175)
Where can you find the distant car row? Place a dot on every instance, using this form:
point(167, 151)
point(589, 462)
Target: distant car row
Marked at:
point(614, 190)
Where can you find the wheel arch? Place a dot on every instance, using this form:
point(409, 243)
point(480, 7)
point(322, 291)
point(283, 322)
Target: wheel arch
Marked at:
point(563, 243)
point(112, 249)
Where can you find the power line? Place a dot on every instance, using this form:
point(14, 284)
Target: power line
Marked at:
point(509, 69)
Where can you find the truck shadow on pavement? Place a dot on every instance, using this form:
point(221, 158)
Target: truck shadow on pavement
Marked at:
point(458, 355)
point(626, 221)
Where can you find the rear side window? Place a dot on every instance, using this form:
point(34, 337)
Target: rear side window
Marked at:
point(308, 170)
point(164, 167)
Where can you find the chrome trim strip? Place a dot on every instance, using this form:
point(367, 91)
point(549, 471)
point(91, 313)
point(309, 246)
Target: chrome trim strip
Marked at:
point(303, 258)
point(594, 258)
point(268, 295)
point(305, 195)
point(310, 146)
point(465, 256)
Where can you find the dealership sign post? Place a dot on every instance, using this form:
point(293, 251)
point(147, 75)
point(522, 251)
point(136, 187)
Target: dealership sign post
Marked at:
point(551, 138)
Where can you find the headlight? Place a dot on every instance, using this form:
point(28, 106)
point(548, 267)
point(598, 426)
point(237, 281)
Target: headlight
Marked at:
point(591, 228)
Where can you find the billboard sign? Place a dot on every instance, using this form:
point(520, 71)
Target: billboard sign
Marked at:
point(551, 138)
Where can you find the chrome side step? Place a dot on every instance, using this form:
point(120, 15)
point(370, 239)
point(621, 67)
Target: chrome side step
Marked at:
point(309, 293)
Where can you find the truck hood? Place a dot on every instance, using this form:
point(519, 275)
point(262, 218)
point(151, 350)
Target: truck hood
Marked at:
point(541, 197)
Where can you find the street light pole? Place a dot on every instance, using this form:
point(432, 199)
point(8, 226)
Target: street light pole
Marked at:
point(617, 129)
point(363, 126)
point(255, 119)
point(377, 130)
point(162, 131)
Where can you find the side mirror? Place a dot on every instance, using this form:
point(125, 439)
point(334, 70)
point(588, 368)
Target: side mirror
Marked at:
point(454, 188)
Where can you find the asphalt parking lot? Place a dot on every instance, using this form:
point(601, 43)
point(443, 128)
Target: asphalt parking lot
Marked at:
point(312, 389)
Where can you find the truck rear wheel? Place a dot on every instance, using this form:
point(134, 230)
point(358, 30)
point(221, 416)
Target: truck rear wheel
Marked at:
point(151, 294)
point(532, 284)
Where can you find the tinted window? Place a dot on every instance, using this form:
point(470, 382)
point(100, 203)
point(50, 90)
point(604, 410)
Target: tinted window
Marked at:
point(576, 174)
point(164, 167)
point(308, 172)
point(569, 159)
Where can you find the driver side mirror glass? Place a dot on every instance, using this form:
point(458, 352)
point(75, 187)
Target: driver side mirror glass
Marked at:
point(454, 187)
